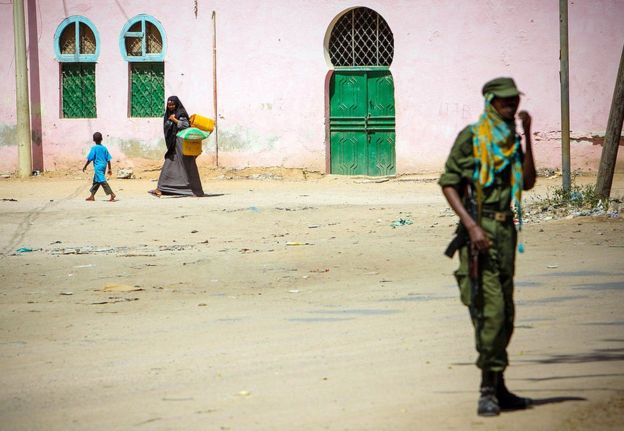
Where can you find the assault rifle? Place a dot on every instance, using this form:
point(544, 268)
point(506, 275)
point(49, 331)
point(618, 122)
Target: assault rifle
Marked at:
point(474, 264)
point(463, 238)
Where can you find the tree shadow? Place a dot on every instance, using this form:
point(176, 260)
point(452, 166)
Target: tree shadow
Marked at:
point(599, 355)
point(611, 323)
point(580, 376)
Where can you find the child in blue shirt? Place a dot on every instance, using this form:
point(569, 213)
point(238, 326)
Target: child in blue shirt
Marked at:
point(100, 157)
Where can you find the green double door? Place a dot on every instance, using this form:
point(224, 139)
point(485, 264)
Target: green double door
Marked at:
point(361, 122)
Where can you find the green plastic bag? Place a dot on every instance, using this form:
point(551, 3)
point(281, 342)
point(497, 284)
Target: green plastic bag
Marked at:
point(192, 134)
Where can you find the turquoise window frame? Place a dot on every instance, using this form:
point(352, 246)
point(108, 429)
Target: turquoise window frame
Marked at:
point(76, 57)
point(145, 57)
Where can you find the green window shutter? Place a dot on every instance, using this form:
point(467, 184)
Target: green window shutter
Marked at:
point(147, 89)
point(78, 83)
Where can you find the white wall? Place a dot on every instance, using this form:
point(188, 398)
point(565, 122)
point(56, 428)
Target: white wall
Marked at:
point(272, 68)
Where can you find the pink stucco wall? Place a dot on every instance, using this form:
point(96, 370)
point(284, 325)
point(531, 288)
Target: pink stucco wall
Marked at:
point(272, 68)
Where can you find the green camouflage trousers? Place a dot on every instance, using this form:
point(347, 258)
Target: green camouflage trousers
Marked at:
point(495, 306)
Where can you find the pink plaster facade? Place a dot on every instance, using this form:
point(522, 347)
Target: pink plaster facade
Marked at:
point(272, 68)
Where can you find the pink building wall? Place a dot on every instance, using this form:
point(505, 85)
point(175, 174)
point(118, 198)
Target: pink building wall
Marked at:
point(272, 67)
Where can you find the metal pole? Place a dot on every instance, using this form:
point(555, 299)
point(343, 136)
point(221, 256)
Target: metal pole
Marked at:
point(564, 76)
point(613, 136)
point(24, 150)
point(214, 84)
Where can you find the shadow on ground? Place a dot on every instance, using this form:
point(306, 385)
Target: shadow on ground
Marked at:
point(598, 355)
point(579, 376)
point(555, 400)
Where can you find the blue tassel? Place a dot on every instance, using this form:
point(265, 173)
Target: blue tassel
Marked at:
point(521, 248)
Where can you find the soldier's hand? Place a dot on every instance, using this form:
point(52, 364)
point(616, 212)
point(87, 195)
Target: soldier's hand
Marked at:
point(525, 117)
point(478, 238)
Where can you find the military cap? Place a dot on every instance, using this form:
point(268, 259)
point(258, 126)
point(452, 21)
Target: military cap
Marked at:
point(501, 87)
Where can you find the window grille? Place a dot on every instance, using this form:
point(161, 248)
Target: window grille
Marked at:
point(133, 46)
point(87, 40)
point(76, 45)
point(78, 87)
point(142, 39)
point(147, 89)
point(143, 45)
point(68, 40)
point(361, 37)
point(153, 43)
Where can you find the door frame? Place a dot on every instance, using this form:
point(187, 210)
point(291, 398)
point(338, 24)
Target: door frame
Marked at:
point(328, 77)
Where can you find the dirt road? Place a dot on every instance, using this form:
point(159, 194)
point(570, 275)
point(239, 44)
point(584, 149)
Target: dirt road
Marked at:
point(289, 305)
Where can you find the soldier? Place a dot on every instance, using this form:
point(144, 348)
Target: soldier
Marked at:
point(488, 169)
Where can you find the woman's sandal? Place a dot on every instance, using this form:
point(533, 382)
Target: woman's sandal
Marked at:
point(155, 192)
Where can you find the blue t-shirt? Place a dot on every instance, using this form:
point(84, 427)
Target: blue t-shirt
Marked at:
point(100, 156)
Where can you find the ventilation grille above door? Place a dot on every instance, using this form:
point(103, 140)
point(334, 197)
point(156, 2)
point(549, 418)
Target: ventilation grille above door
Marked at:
point(361, 37)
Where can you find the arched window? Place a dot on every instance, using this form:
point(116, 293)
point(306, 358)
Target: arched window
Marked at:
point(143, 40)
point(143, 46)
point(361, 37)
point(77, 47)
point(70, 30)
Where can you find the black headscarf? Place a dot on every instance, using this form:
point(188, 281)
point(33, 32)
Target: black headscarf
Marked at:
point(170, 128)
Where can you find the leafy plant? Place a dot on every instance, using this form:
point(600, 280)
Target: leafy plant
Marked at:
point(577, 197)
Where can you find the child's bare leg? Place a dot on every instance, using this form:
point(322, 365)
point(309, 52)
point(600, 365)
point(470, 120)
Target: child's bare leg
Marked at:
point(93, 190)
point(109, 191)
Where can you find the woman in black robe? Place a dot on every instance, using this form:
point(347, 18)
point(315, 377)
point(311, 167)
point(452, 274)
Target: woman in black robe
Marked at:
point(179, 174)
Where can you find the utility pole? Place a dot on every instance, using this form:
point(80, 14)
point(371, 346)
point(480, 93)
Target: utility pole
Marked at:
point(23, 135)
point(214, 85)
point(564, 77)
point(612, 136)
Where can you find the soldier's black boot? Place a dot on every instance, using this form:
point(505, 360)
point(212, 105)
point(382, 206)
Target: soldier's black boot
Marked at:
point(508, 400)
point(488, 403)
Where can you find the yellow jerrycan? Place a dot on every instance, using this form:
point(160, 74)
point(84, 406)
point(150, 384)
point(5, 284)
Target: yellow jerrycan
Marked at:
point(191, 147)
point(202, 123)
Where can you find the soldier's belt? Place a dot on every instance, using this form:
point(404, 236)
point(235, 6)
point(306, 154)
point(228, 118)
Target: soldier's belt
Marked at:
point(499, 216)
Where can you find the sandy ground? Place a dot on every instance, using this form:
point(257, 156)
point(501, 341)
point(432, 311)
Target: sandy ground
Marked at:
point(289, 305)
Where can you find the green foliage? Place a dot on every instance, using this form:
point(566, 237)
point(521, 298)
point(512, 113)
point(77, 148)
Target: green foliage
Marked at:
point(582, 197)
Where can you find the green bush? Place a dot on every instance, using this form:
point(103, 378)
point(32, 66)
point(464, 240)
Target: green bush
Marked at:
point(577, 197)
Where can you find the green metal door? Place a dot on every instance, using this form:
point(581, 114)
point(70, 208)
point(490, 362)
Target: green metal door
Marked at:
point(361, 122)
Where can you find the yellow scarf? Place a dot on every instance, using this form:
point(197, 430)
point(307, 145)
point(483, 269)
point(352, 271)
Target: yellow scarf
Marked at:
point(495, 145)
